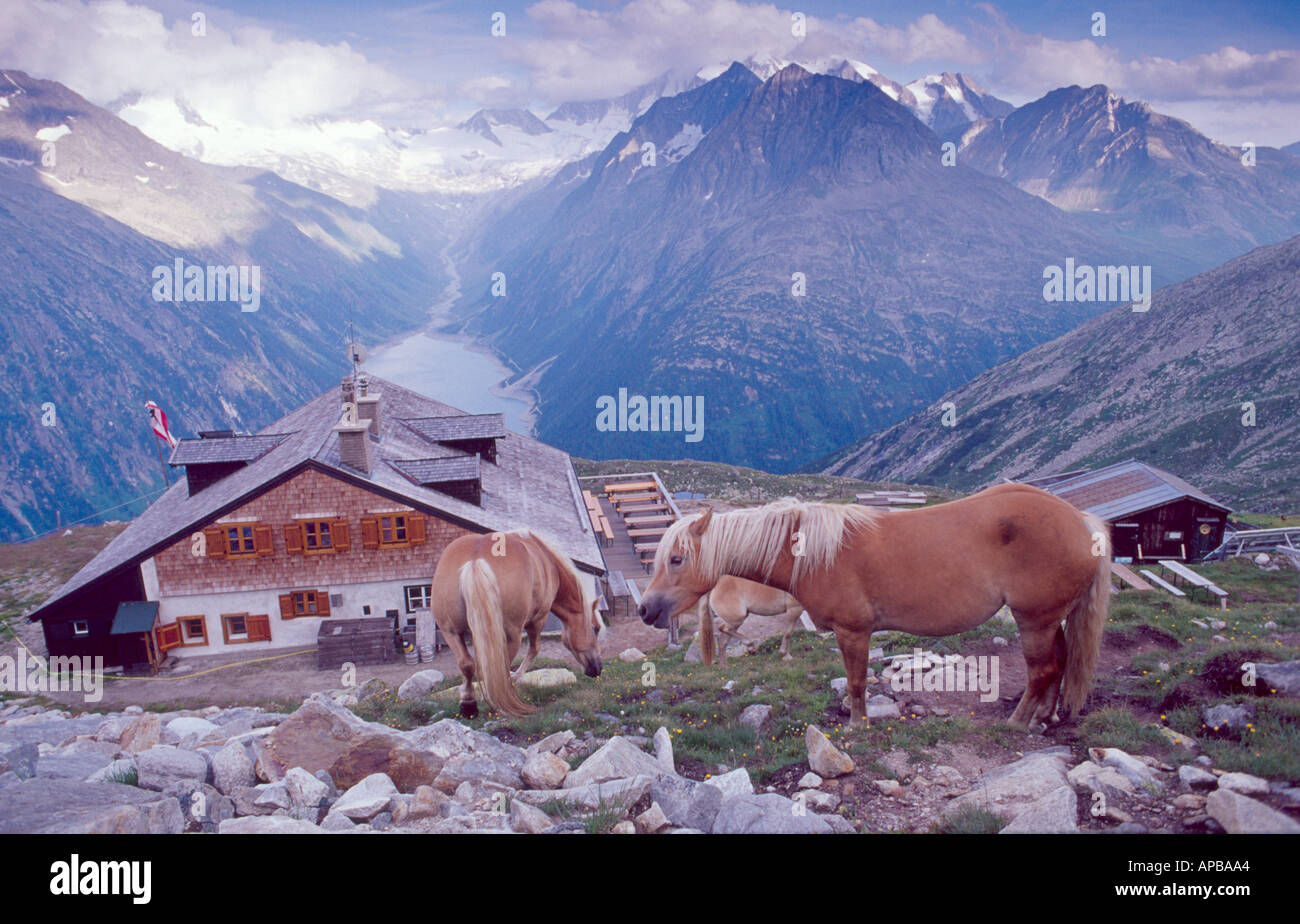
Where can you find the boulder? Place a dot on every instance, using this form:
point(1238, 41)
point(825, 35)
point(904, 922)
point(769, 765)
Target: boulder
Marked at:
point(338, 824)
point(809, 780)
point(1011, 789)
point(48, 806)
point(188, 725)
point(119, 771)
point(1093, 777)
point(652, 819)
point(425, 802)
point(826, 760)
point(617, 759)
point(547, 678)
point(367, 798)
point(1178, 738)
point(1244, 783)
point(164, 764)
point(544, 770)
point(686, 803)
point(1137, 772)
point(20, 759)
point(1055, 813)
point(201, 805)
point(769, 813)
point(734, 783)
point(664, 750)
point(419, 684)
point(551, 744)
point(142, 733)
point(1231, 715)
point(458, 770)
point(232, 768)
point(324, 736)
point(1283, 677)
point(77, 765)
point(308, 796)
point(1196, 778)
point(1237, 813)
point(631, 655)
point(448, 738)
point(590, 797)
point(528, 819)
point(756, 715)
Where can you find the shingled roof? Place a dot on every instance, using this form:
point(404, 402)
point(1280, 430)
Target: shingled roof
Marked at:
point(532, 485)
point(460, 427)
point(1122, 489)
point(207, 450)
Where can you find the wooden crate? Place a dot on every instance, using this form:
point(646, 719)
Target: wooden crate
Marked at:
point(361, 641)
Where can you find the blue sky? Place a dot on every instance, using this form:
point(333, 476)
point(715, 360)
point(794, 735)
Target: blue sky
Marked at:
point(1232, 69)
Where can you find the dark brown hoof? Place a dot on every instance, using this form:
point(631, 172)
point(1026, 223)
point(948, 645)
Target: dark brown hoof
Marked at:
point(469, 710)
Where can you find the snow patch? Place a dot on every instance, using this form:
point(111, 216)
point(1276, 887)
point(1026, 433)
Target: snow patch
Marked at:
point(142, 179)
point(4, 102)
point(683, 143)
point(53, 133)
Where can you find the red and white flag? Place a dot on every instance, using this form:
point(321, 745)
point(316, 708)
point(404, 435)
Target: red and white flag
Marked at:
point(158, 420)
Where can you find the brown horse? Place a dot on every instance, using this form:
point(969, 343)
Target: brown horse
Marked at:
point(488, 590)
point(732, 600)
point(931, 571)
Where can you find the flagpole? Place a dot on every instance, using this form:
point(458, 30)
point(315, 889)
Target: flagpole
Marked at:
point(158, 449)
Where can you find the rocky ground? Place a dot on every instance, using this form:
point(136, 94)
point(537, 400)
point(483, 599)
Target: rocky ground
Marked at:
point(323, 769)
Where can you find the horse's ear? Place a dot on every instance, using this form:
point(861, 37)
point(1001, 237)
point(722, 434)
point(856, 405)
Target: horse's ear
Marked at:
point(701, 523)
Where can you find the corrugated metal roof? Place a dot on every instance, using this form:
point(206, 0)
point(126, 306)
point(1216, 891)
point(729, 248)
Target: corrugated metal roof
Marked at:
point(134, 617)
point(530, 486)
point(459, 427)
point(223, 449)
point(1123, 489)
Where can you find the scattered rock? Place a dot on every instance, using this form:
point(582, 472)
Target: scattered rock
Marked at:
point(334, 822)
point(1137, 771)
point(1010, 789)
point(45, 806)
point(617, 759)
point(1056, 812)
point(1191, 801)
point(686, 803)
point(1237, 813)
point(631, 655)
point(809, 780)
point(367, 798)
point(307, 795)
point(1283, 677)
point(1244, 784)
point(768, 813)
point(160, 766)
point(547, 678)
point(1233, 715)
point(625, 827)
point(189, 725)
point(1093, 777)
point(232, 768)
point(480, 769)
point(824, 758)
point(652, 819)
point(267, 824)
point(733, 783)
point(755, 715)
point(888, 787)
point(664, 750)
point(419, 685)
point(141, 734)
point(1196, 778)
point(1173, 737)
point(545, 770)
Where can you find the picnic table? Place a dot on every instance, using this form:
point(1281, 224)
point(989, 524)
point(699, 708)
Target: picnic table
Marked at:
point(1125, 574)
point(1196, 580)
point(623, 487)
point(650, 497)
point(1163, 583)
point(657, 519)
point(642, 533)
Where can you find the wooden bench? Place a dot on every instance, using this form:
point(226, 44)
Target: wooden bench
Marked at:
point(640, 508)
point(606, 530)
point(645, 547)
point(652, 497)
point(1163, 583)
point(658, 519)
point(1125, 574)
point(642, 533)
point(1196, 580)
point(623, 487)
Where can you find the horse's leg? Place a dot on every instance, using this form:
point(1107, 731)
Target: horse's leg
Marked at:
point(673, 630)
point(534, 630)
point(791, 620)
point(465, 661)
point(1043, 641)
point(855, 648)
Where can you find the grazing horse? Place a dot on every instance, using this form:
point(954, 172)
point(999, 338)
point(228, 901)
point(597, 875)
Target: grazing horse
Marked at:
point(490, 589)
point(931, 571)
point(734, 599)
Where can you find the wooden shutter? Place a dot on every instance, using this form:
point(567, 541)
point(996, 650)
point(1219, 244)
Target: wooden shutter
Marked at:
point(415, 533)
point(259, 628)
point(339, 536)
point(322, 603)
point(214, 538)
point(286, 606)
point(262, 541)
point(370, 532)
point(168, 636)
point(293, 538)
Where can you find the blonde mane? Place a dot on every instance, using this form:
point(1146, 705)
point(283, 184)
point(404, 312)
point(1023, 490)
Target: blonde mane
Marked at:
point(752, 540)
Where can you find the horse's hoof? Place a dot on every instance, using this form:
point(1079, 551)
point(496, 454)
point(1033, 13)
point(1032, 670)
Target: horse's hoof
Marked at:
point(469, 710)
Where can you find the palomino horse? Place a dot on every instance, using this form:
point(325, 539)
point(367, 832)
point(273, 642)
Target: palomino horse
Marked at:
point(489, 590)
point(929, 571)
point(734, 599)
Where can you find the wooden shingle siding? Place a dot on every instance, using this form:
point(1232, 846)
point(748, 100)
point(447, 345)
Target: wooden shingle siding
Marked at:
point(180, 572)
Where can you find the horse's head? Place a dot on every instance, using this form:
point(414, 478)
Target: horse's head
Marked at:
point(677, 583)
point(580, 633)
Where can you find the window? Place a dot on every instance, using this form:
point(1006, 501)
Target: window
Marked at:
point(304, 602)
point(234, 626)
point(194, 630)
point(299, 604)
point(80, 627)
point(240, 541)
point(392, 530)
point(417, 596)
point(316, 536)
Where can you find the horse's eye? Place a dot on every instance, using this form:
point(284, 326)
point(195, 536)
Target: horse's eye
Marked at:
point(675, 560)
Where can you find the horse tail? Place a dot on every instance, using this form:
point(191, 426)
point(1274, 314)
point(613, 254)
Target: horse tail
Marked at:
point(707, 647)
point(482, 598)
point(1085, 623)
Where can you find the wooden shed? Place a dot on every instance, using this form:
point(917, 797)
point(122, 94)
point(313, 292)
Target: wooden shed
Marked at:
point(1152, 514)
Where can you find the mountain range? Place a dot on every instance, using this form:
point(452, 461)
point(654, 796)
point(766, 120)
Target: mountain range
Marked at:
point(1206, 384)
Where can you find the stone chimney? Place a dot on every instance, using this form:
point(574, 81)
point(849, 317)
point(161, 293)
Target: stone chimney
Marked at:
point(354, 440)
point(368, 411)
